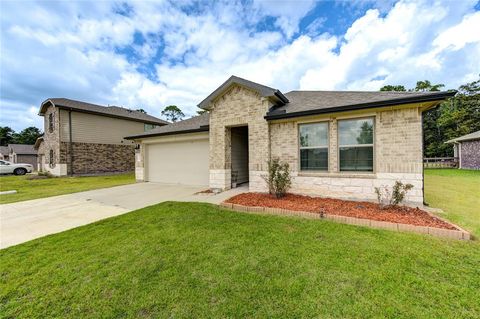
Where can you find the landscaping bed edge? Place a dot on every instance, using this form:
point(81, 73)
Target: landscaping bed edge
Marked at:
point(460, 234)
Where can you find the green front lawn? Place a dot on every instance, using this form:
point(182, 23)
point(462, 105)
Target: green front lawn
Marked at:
point(38, 188)
point(199, 261)
point(457, 192)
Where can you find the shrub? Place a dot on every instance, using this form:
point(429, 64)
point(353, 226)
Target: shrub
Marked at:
point(278, 178)
point(387, 198)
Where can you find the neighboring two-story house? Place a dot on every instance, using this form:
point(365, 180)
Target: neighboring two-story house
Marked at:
point(84, 138)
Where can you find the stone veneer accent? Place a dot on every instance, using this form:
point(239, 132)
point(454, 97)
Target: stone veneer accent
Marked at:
point(470, 154)
point(238, 106)
point(51, 141)
point(397, 156)
point(91, 158)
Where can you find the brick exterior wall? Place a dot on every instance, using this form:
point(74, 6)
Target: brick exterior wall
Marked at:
point(397, 156)
point(238, 106)
point(91, 158)
point(470, 154)
point(397, 148)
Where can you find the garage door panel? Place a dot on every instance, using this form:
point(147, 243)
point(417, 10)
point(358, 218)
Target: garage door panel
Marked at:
point(184, 162)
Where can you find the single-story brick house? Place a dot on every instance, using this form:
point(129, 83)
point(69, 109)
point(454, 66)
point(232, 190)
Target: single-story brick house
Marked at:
point(22, 153)
point(82, 138)
point(467, 149)
point(338, 144)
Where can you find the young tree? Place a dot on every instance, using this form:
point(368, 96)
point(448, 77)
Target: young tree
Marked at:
point(6, 135)
point(141, 111)
point(173, 113)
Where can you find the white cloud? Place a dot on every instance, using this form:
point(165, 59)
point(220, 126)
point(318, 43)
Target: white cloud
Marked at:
point(75, 50)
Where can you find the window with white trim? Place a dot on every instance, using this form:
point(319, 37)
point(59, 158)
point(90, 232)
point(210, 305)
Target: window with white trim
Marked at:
point(313, 146)
point(355, 141)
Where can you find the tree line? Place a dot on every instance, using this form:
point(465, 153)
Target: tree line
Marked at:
point(453, 118)
point(25, 136)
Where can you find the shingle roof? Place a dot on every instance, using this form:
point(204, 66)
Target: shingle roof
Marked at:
point(198, 123)
point(25, 149)
point(468, 137)
point(334, 101)
point(113, 111)
point(263, 90)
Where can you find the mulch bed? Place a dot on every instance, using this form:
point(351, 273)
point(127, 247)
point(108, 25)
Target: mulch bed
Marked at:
point(365, 210)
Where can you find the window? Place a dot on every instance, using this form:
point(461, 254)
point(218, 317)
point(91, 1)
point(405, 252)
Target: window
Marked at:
point(52, 158)
point(148, 127)
point(313, 146)
point(356, 144)
point(51, 124)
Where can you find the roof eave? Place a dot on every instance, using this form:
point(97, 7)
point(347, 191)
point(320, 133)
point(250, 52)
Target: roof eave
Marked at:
point(205, 128)
point(418, 99)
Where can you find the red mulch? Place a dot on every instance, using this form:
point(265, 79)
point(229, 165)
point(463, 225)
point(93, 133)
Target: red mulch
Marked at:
point(365, 210)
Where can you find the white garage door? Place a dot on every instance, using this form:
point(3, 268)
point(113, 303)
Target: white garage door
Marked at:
point(179, 162)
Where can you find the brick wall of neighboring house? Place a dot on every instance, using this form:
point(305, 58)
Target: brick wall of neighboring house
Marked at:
point(470, 154)
point(91, 158)
point(238, 106)
point(397, 156)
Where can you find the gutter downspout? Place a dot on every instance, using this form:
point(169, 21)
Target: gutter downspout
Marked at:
point(70, 145)
point(423, 168)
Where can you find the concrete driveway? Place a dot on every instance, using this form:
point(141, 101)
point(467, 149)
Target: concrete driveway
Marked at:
point(23, 221)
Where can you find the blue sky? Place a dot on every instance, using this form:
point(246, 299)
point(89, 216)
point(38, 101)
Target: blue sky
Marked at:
point(156, 53)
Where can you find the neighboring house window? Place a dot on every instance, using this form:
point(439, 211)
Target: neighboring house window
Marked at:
point(313, 146)
point(52, 158)
point(51, 124)
point(356, 144)
point(148, 127)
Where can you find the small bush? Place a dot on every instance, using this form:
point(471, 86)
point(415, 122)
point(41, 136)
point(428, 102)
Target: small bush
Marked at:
point(278, 178)
point(45, 174)
point(387, 198)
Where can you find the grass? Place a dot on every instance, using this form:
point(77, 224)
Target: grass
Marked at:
point(199, 261)
point(39, 188)
point(457, 192)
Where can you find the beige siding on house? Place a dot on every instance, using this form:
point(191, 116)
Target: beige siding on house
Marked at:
point(90, 128)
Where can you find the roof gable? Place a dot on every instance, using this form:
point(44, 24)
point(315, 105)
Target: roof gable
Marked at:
point(263, 90)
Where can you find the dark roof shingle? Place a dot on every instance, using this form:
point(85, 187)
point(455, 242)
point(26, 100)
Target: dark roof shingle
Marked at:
point(334, 101)
point(113, 111)
point(25, 149)
point(198, 123)
point(468, 137)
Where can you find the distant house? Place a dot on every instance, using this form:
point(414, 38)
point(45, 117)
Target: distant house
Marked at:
point(85, 138)
point(22, 153)
point(4, 152)
point(467, 149)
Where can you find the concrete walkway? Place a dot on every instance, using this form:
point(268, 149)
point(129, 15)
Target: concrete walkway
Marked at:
point(24, 221)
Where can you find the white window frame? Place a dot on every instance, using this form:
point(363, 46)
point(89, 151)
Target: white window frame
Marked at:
point(300, 147)
point(356, 145)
